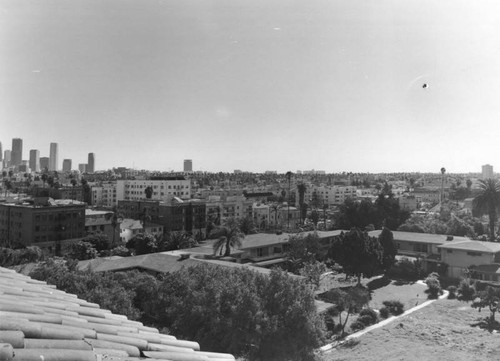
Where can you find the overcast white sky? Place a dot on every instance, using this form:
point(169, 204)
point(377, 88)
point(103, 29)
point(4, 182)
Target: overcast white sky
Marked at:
point(254, 84)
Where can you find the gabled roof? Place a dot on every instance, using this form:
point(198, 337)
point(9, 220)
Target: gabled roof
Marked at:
point(471, 245)
point(39, 322)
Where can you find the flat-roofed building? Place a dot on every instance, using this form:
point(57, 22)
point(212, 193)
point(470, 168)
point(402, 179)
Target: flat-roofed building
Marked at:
point(42, 222)
point(163, 188)
point(35, 160)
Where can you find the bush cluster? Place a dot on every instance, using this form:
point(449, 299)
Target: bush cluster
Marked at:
point(393, 307)
point(434, 286)
point(367, 317)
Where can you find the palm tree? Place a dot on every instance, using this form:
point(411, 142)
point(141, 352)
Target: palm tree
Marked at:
point(443, 170)
point(229, 236)
point(488, 202)
point(289, 176)
point(301, 188)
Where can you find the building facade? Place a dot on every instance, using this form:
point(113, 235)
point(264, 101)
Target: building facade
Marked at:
point(487, 171)
point(42, 222)
point(163, 189)
point(66, 166)
point(104, 195)
point(188, 165)
point(91, 163)
point(16, 152)
point(35, 160)
point(54, 157)
point(44, 164)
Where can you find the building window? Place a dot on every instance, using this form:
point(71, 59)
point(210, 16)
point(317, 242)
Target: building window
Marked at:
point(474, 254)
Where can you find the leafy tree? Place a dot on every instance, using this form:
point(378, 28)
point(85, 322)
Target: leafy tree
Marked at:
point(466, 290)
point(359, 254)
point(313, 271)
point(229, 235)
point(315, 217)
point(149, 192)
point(142, 243)
point(389, 247)
point(488, 298)
point(301, 251)
point(82, 251)
point(347, 301)
point(247, 226)
point(488, 202)
point(177, 240)
point(434, 286)
point(242, 312)
point(98, 240)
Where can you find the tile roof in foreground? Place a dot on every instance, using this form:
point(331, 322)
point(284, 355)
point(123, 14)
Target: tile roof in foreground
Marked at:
point(39, 322)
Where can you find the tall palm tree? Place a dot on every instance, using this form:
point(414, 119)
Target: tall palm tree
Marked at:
point(229, 236)
point(301, 188)
point(488, 202)
point(443, 170)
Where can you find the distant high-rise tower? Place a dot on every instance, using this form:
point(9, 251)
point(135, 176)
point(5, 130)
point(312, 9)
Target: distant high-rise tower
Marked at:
point(67, 165)
point(188, 165)
point(7, 157)
point(82, 167)
point(487, 171)
point(54, 156)
point(35, 160)
point(44, 164)
point(1, 152)
point(17, 151)
point(91, 163)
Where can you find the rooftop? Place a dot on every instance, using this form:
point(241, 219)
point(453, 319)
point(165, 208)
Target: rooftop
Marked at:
point(40, 322)
point(419, 237)
point(471, 245)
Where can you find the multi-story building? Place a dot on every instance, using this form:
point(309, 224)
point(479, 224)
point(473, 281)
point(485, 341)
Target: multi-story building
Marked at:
point(17, 151)
point(222, 208)
point(188, 165)
point(53, 157)
point(129, 228)
point(44, 164)
point(82, 167)
point(91, 163)
point(35, 160)
point(66, 167)
point(329, 195)
point(487, 171)
point(7, 155)
point(102, 221)
point(104, 195)
point(163, 188)
point(43, 222)
point(176, 215)
point(1, 153)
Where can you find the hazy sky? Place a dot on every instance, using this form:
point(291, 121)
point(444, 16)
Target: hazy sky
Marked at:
point(254, 84)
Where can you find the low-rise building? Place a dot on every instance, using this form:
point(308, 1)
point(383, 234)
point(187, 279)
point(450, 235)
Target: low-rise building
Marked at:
point(162, 188)
point(102, 221)
point(129, 228)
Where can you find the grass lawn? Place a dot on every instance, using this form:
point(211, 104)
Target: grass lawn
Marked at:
point(409, 294)
point(439, 331)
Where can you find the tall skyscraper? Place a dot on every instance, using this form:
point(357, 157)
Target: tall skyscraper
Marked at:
point(1, 152)
point(44, 163)
point(17, 151)
point(54, 156)
point(188, 165)
point(7, 157)
point(487, 171)
point(67, 165)
point(91, 163)
point(35, 160)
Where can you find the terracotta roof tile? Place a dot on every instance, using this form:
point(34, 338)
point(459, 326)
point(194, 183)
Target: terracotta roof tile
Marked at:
point(39, 322)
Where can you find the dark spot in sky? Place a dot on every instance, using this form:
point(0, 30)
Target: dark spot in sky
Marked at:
point(425, 85)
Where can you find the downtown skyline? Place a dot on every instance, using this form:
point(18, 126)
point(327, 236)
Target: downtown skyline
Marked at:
point(330, 85)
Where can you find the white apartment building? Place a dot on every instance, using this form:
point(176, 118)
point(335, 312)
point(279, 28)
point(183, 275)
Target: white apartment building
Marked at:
point(104, 195)
point(229, 207)
point(330, 195)
point(163, 189)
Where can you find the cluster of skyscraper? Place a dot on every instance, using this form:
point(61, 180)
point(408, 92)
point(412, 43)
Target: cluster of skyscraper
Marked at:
point(14, 159)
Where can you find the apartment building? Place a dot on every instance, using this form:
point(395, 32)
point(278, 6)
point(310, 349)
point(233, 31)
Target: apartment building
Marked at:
point(104, 195)
point(330, 195)
point(163, 188)
point(44, 222)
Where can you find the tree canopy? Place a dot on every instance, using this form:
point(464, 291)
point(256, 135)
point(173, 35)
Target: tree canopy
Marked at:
point(488, 202)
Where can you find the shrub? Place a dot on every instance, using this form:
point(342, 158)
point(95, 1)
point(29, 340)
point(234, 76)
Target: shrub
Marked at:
point(394, 307)
point(452, 292)
point(406, 269)
point(466, 291)
point(368, 314)
point(384, 312)
point(434, 287)
point(357, 325)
